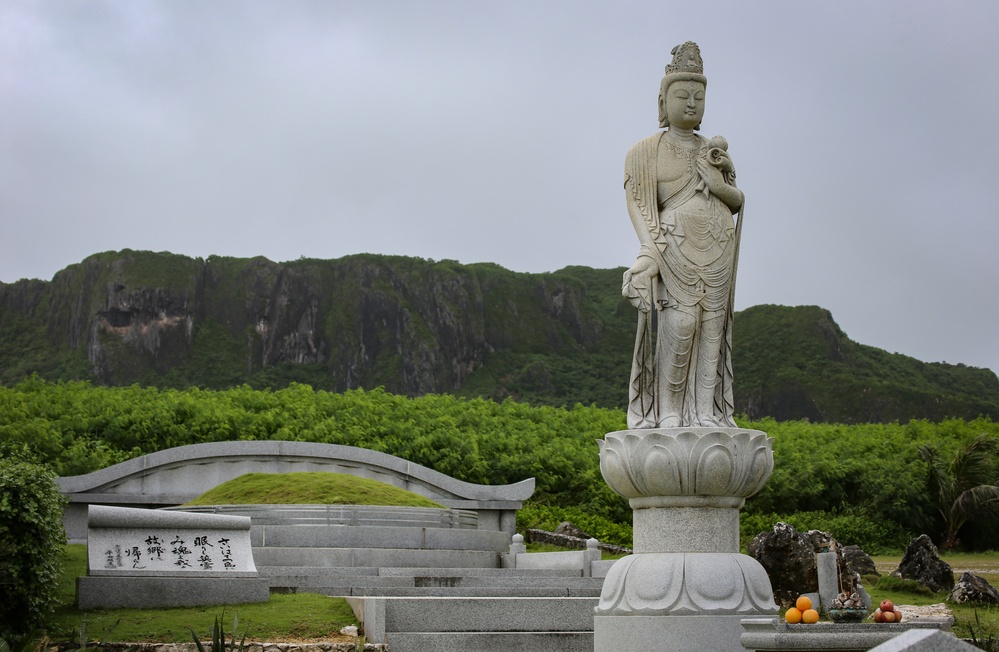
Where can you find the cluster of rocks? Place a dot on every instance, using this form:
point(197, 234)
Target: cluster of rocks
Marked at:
point(567, 535)
point(789, 559)
point(921, 562)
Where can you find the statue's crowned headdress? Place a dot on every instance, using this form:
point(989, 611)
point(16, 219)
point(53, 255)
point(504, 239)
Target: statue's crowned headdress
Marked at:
point(686, 65)
point(686, 59)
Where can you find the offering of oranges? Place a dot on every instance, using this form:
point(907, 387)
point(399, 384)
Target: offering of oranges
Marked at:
point(801, 612)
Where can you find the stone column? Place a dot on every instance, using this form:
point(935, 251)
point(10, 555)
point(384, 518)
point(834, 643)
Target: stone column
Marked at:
point(828, 573)
point(686, 587)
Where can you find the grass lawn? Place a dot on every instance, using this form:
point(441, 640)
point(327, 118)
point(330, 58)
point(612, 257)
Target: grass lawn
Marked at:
point(309, 488)
point(295, 617)
point(983, 564)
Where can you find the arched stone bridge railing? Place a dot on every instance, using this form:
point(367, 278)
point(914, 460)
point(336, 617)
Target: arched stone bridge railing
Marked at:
point(177, 475)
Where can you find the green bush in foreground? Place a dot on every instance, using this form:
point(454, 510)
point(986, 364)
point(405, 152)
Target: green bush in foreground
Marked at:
point(31, 544)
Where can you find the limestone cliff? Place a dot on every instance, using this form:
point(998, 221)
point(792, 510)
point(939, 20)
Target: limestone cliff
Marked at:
point(411, 325)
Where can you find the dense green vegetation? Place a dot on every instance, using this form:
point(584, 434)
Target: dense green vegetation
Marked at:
point(309, 488)
point(31, 542)
point(866, 483)
point(965, 486)
point(417, 326)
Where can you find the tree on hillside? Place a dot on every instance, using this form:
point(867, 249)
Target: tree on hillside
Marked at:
point(964, 485)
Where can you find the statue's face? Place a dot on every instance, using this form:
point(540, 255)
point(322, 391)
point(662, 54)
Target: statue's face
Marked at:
point(685, 104)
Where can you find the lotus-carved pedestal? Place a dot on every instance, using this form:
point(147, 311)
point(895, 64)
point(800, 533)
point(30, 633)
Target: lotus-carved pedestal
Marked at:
point(686, 587)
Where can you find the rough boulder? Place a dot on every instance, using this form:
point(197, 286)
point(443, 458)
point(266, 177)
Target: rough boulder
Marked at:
point(788, 556)
point(972, 588)
point(859, 561)
point(921, 563)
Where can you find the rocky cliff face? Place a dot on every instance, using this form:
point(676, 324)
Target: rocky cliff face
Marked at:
point(410, 325)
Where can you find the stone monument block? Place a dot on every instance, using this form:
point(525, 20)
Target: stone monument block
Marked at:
point(150, 558)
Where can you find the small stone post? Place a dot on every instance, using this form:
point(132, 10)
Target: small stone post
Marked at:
point(828, 573)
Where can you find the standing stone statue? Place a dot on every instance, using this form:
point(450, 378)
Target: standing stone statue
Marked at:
point(681, 196)
point(684, 466)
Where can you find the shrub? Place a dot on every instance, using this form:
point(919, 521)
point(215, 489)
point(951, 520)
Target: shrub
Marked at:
point(31, 544)
point(850, 527)
point(547, 517)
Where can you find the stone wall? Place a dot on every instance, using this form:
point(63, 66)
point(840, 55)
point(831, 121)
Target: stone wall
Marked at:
point(177, 475)
point(569, 541)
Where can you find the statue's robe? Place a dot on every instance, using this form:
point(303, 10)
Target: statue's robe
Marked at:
point(695, 247)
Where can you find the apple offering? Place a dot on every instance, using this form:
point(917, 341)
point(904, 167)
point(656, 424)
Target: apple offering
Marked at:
point(887, 613)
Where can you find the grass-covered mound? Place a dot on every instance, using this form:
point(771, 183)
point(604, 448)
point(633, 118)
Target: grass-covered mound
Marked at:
point(320, 488)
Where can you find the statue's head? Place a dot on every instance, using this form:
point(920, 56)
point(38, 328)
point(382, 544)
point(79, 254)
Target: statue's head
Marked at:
point(686, 67)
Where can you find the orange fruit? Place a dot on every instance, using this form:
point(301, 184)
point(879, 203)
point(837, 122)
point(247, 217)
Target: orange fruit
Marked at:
point(804, 603)
point(792, 616)
point(809, 616)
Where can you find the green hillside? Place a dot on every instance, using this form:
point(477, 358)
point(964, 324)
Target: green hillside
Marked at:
point(417, 326)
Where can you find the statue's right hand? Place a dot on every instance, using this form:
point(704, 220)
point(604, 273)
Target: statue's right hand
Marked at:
point(644, 266)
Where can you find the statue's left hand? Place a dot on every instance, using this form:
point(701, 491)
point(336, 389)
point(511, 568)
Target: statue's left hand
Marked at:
point(718, 185)
point(711, 176)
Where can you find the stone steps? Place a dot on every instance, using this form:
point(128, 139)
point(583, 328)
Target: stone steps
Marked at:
point(457, 592)
point(412, 572)
point(482, 624)
point(481, 572)
point(470, 582)
point(491, 641)
point(366, 536)
point(374, 557)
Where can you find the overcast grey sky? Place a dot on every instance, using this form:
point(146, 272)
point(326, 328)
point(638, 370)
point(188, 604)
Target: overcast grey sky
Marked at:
point(864, 134)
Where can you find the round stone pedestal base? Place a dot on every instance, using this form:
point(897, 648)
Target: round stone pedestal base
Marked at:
point(686, 583)
point(680, 601)
point(667, 633)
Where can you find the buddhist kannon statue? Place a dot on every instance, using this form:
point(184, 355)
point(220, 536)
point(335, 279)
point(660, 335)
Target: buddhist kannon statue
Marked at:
point(681, 196)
